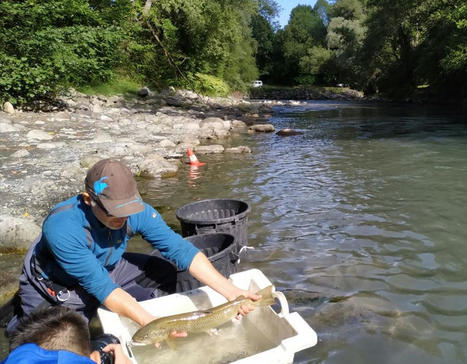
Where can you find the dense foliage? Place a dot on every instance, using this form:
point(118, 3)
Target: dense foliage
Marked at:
point(48, 45)
point(393, 47)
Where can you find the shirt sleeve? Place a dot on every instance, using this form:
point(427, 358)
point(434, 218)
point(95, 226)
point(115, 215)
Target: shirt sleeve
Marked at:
point(69, 248)
point(172, 246)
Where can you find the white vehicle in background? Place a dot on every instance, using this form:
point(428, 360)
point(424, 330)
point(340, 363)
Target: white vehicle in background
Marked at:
point(257, 83)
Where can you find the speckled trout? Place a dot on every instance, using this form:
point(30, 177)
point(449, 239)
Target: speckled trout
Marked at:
point(197, 321)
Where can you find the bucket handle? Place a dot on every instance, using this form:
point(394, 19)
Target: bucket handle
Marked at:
point(234, 257)
point(206, 229)
point(243, 249)
point(283, 301)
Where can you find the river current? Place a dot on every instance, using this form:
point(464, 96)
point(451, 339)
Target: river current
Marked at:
point(360, 221)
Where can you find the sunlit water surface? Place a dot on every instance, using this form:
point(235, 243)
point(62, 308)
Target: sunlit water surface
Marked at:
point(360, 221)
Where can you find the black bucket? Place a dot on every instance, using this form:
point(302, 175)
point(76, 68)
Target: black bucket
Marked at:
point(221, 252)
point(216, 216)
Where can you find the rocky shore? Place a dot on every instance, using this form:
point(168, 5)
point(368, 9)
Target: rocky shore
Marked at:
point(44, 155)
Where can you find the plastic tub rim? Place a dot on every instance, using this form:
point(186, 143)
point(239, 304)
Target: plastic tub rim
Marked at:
point(217, 221)
point(228, 250)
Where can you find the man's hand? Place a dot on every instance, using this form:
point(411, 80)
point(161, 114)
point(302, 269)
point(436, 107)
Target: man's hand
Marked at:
point(117, 351)
point(246, 308)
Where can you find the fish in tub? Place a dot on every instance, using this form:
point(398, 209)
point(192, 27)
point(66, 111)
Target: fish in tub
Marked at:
point(262, 336)
point(197, 321)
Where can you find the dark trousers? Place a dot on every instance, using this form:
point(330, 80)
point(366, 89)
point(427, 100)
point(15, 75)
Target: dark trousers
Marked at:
point(143, 276)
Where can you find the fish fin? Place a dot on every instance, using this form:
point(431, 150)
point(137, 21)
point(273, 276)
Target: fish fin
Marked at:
point(171, 343)
point(266, 296)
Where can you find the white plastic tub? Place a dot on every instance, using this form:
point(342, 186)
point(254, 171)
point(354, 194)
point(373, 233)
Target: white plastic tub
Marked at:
point(263, 336)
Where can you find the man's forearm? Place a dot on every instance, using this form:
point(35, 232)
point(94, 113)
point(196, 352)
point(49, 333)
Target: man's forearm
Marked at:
point(202, 269)
point(124, 304)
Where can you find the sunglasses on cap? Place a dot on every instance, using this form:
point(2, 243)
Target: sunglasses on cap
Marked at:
point(97, 203)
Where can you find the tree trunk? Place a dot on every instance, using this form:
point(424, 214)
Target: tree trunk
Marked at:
point(147, 7)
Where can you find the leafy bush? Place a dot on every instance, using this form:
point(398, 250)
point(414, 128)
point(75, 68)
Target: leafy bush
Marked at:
point(305, 80)
point(207, 85)
point(49, 45)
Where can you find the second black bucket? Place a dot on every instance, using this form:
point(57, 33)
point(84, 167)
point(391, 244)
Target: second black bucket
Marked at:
point(216, 215)
point(220, 250)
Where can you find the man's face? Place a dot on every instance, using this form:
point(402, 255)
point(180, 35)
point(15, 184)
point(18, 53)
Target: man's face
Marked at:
point(110, 221)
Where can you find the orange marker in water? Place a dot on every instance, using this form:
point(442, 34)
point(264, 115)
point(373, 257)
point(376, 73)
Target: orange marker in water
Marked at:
point(193, 160)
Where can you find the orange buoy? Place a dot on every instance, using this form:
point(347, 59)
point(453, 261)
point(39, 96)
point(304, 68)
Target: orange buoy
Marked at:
point(193, 160)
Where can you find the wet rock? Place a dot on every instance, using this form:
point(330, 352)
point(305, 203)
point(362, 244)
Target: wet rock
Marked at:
point(263, 128)
point(8, 108)
point(288, 132)
point(155, 166)
point(238, 150)
point(238, 124)
point(209, 149)
point(17, 233)
point(215, 125)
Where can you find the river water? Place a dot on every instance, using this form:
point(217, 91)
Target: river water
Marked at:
point(360, 221)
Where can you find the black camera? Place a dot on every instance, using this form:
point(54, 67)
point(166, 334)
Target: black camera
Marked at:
point(100, 343)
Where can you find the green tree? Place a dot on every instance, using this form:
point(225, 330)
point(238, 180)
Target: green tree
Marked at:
point(304, 31)
point(45, 45)
point(411, 43)
point(345, 36)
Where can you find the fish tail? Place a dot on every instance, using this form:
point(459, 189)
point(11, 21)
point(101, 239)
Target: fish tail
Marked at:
point(266, 296)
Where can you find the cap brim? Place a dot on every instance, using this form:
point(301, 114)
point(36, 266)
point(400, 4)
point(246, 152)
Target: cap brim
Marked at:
point(123, 208)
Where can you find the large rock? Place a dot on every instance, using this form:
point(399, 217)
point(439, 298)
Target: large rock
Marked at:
point(210, 149)
point(143, 92)
point(17, 233)
point(155, 166)
point(288, 132)
point(262, 128)
point(8, 108)
point(238, 124)
point(214, 123)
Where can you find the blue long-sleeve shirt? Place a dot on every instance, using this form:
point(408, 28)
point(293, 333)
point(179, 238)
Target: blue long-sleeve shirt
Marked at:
point(76, 248)
point(32, 354)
